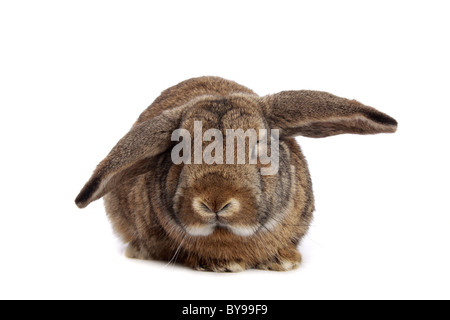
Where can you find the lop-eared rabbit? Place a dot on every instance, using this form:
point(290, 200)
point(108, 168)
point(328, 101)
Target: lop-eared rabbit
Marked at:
point(221, 216)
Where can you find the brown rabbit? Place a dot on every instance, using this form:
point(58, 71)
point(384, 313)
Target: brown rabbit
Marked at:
point(220, 217)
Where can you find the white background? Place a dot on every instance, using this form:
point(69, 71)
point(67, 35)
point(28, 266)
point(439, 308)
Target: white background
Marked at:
point(75, 75)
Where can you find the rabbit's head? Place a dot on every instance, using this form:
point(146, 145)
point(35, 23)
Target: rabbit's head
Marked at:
point(221, 186)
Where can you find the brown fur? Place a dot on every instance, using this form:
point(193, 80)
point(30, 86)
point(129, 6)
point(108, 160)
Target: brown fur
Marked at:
point(159, 207)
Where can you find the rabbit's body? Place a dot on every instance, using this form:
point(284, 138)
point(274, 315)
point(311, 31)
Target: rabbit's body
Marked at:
point(220, 217)
point(139, 209)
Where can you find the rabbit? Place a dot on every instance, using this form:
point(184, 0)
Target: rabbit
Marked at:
point(220, 217)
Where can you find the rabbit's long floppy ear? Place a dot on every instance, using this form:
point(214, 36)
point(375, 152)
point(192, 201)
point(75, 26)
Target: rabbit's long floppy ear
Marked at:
point(318, 114)
point(133, 155)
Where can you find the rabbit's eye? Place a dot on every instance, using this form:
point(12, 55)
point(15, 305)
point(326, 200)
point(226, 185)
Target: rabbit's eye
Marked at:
point(259, 150)
point(226, 206)
point(205, 207)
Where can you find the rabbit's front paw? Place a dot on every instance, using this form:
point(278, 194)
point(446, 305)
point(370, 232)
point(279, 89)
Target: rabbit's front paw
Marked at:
point(223, 266)
point(285, 260)
point(133, 252)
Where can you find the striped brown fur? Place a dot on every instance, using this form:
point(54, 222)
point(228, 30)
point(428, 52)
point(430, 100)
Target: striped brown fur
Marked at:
point(157, 207)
